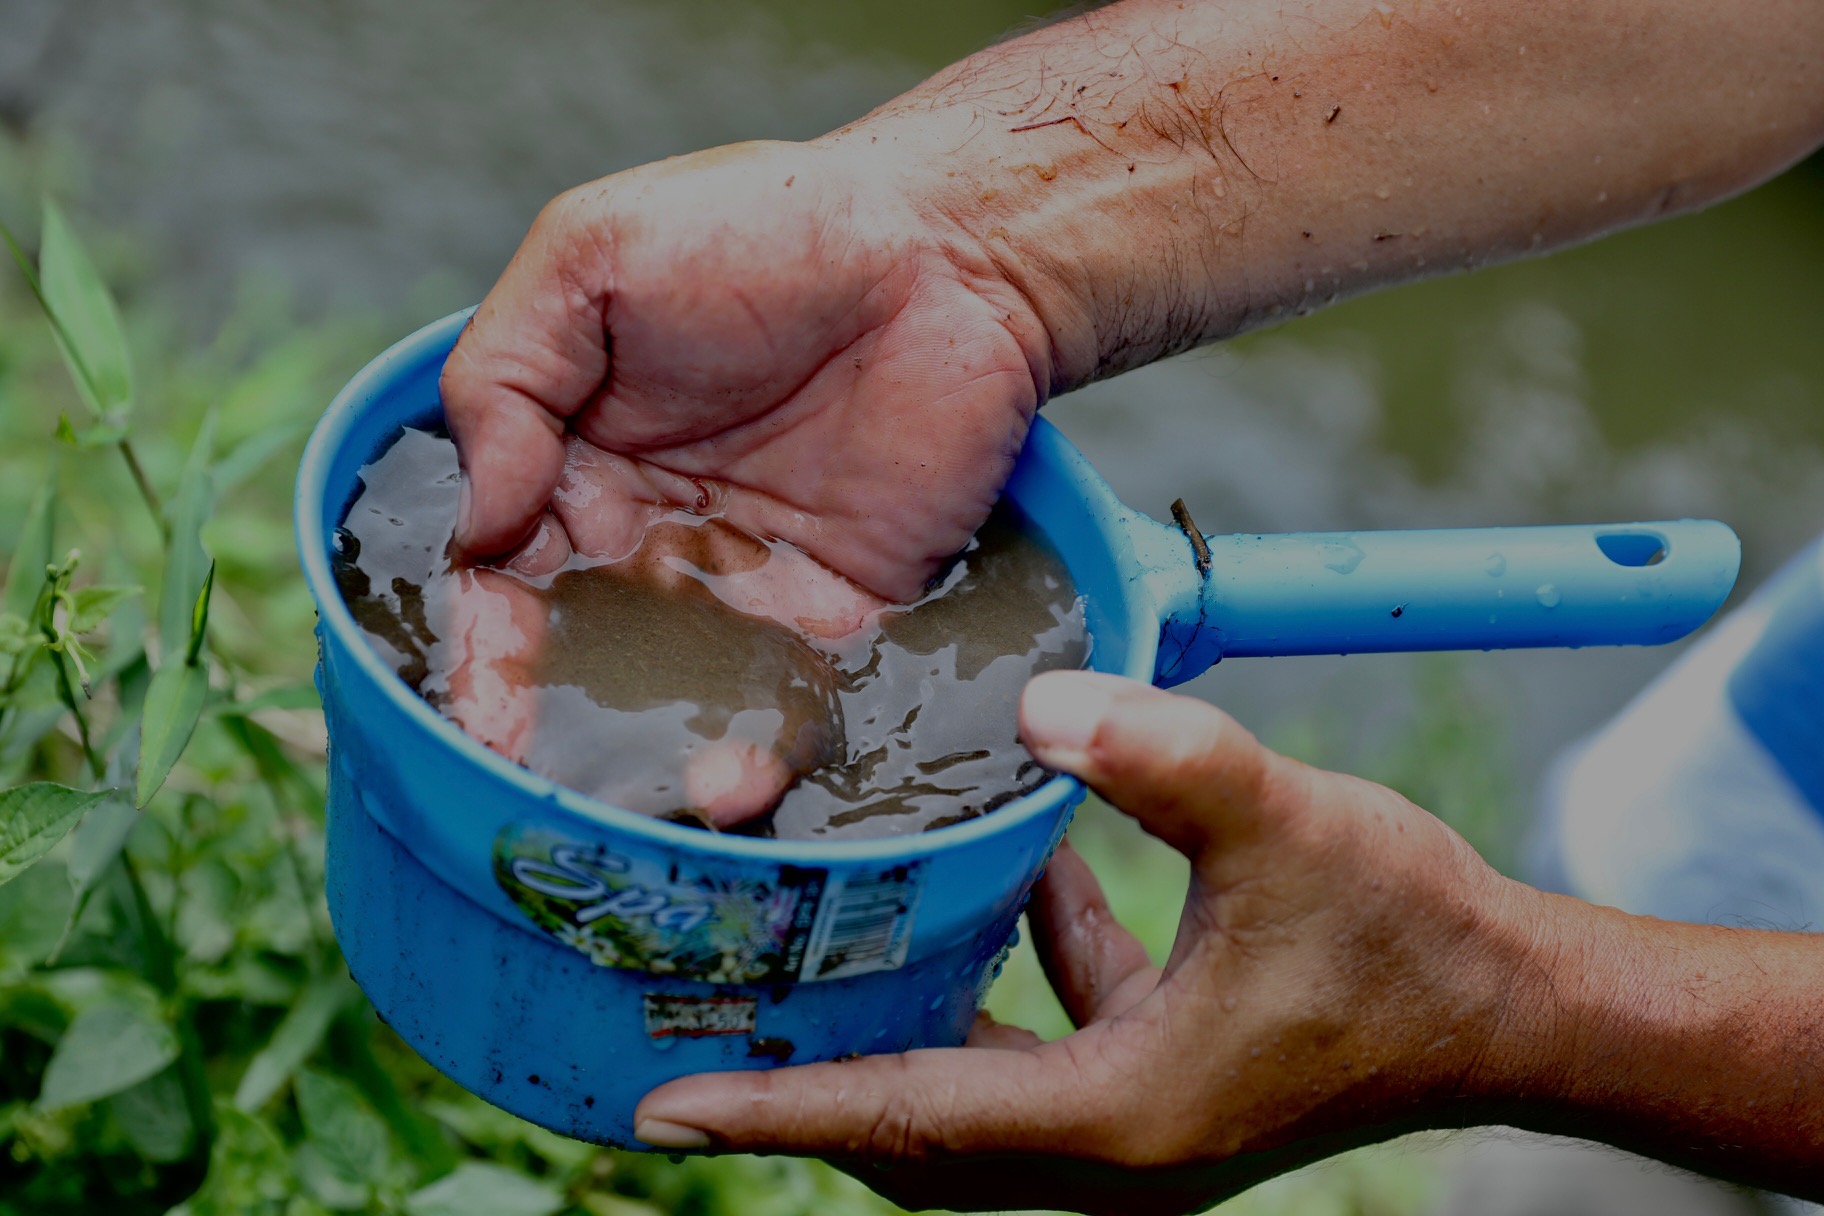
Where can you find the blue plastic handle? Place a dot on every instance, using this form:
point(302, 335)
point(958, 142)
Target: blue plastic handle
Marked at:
point(1638, 584)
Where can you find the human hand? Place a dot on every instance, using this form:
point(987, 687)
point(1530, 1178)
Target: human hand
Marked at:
point(1343, 963)
point(774, 334)
point(500, 626)
point(763, 341)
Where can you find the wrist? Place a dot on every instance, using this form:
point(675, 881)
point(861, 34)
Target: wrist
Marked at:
point(1111, 210)
point(1468, 1026)
point(1575, 1012)
point(943, 185)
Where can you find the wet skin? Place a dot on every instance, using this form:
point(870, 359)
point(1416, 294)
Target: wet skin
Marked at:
point(665, 681)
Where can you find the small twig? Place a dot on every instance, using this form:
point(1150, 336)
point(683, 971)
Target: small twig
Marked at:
point(145, 485)
point(96, 767)
point(1181, 514)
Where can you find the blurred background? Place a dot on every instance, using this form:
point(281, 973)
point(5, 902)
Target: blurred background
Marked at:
point(278, 190)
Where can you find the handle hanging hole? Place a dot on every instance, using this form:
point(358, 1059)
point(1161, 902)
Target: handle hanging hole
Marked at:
point(1632, 548)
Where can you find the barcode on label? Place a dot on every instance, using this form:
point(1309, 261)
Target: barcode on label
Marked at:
point(864, 923)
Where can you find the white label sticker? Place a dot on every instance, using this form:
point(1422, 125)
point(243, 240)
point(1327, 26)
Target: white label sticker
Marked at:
point(698, 1017)
point(864, 923)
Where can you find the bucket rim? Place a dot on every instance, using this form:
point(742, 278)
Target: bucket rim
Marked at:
point(584, 813)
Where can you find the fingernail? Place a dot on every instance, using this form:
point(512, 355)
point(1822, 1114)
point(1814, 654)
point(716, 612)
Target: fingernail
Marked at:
point(464, 505)
point(1061, 712)
point(663, 1134)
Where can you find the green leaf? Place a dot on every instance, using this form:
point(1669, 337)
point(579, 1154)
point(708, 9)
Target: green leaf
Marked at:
point(16, 635)
point(86, 321)
point(323, 1183)
point(348, 1137)
point(199, 618)
point(295, 1041)
point(31, 554)
point(186, 564)
point(35, 817)
point(174, 701)
point(94, 845)
point(254, 451)
point(476, 1188)
point(300, 695)
point(277, 770)
point(25, 264)
point(92, 606)
point(110, 1046)
point(174, 704)
point(153, 1117)
point(249, 1171)
point(33, 1011)
point(25, 570)
point(32, 911)
point(100, 435)
point(351, 1046)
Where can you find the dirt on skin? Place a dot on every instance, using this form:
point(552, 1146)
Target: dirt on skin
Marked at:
point(909, 726)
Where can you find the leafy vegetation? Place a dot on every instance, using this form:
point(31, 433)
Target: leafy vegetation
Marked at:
point(177, 1031)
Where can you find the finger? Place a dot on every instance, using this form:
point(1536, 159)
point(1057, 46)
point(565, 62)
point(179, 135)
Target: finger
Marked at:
point(1098, 969)
point(986, 1032)
point(674, 527)
point(533, 354)
point(891, 1108)
point(607, 502)
point(543, 552)
point(732, 780)
point(1187, 771)
point(497, 631)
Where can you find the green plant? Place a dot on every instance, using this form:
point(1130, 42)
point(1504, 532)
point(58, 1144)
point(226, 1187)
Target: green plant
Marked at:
point(177, 1030)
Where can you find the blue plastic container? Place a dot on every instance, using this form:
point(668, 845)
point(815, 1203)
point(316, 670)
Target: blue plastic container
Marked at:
point(561, 957)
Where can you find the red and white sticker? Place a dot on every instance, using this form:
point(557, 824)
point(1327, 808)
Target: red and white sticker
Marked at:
point(698, 1017)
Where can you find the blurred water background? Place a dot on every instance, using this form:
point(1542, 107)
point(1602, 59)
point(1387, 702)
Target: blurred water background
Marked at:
point(375, 163)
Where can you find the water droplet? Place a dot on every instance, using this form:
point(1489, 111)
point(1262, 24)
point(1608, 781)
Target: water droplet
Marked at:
point(1341, 555)
point(1496, 565)
point(1548, 595)
point(937, 1003)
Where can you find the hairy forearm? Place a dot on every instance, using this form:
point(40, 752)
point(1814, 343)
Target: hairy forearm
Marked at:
point(1156, 174)
point(1697, 1045)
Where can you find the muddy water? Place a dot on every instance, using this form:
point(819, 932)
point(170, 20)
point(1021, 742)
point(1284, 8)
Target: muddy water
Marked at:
point(908, 727)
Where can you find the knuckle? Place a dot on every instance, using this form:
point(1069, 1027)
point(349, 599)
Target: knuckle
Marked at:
point(900, 1134)
point(455, 380)
point(562, 213)
point(577, 227)
point(887, 1124)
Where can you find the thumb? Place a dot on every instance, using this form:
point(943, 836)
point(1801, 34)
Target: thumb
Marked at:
point(534, 353)
point(1187, 771)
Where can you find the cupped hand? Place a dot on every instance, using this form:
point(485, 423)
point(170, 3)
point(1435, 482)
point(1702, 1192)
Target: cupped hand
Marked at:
point(765, 368)
point(1342, 960)
point(498, 638)
point(781, 335)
